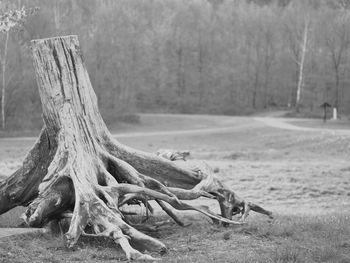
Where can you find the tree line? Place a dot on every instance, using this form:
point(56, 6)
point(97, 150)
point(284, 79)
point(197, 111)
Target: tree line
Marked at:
point(199, 56)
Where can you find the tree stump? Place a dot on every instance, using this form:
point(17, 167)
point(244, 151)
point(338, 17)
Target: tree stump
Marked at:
point(77, 167)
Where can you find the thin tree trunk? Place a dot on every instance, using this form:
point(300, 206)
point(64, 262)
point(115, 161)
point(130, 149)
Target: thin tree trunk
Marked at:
point(336, 56)
point(247, 82)
point(201, 83)
point(3, 91)
point(180, 71)
point(336, 103)
point(257, 74)
point(266, 91)
point(341, 102)
point(302, 62)
point(255, 90)
point(267, 71)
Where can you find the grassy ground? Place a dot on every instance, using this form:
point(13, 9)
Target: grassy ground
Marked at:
point(285, 239)
point(303, 177)
point(289, 239)
point(330, 124)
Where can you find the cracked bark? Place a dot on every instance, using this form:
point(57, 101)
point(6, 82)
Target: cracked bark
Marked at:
point(77, 167)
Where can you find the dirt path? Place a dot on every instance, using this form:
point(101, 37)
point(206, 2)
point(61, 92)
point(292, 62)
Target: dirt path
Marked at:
point(216, 124)
point(284, 123)
point(222, 124)
point(287, 168)
point(186, 132)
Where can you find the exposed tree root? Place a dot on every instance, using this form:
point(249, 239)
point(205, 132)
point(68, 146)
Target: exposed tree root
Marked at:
point(77, 168)
point(22, 186)
point(171, 213)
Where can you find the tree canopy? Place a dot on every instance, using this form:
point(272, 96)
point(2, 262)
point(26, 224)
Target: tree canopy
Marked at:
point(200, 56)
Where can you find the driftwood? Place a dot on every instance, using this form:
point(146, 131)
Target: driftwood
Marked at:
point(77, 169)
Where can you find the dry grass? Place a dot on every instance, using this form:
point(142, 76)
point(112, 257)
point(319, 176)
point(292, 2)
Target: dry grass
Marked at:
point(285, 239)
point(318, 123)
point(12, 218)
point(301, 176)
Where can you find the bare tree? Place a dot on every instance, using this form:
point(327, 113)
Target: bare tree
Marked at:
point(298, 25)
point(337, 42)
point(180, 67)
point(78, 170)
point(298, 44)
point(257, 68)
point(141, 53)
point(268, 59)
point(268, 38)
point(201, 69)
point(9, 20)
point(301, 63)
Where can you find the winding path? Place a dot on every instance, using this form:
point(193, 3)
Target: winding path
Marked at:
point(222, 124)
point(284, 123)
point(227, 124)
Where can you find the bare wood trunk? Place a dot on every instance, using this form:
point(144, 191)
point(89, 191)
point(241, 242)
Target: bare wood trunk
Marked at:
point(180, 71)
point(267, 65)
point(77, 167)
point(22, 187)
point(3, 91)
point(302, 62)
point(256, 74)
point(336, 103)
point(201, 83)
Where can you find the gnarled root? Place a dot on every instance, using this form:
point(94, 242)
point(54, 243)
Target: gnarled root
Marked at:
point(95, 192)
point(96, 187)
point(78, 167)
point(22, 186)
point(230, 203)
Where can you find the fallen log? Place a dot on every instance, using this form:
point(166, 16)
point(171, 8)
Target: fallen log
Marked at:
point(77, 168)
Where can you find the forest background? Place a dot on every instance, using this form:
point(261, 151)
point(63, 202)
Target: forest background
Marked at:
point(231, 57)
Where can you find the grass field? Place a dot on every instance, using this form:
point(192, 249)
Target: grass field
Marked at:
point(302, 176)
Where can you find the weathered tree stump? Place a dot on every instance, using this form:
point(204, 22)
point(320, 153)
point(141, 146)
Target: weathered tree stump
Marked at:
point(77, 167)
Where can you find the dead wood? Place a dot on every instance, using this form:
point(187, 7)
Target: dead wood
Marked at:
point(78, 168)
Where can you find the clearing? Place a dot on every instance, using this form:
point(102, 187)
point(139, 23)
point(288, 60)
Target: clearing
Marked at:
point(299, 169)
